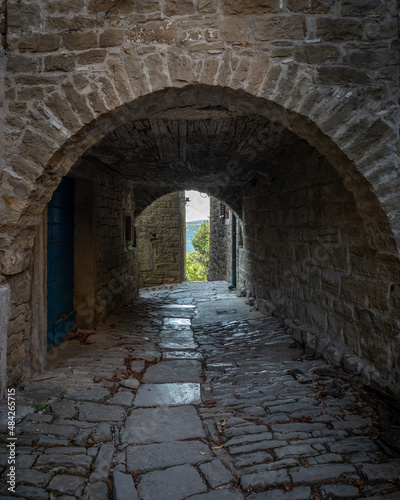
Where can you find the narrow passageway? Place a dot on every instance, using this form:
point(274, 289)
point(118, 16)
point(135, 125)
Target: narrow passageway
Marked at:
point(191, 393)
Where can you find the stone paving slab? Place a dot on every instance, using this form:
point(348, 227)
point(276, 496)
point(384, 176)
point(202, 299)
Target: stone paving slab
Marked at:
point(299, 493)
point(173, 371)
point(216, 473)
point(218, 495)
point(155, 425)
point(182, 355)
point(174, 483)
point(94, 412)
point(168, 394)
point(178, 343)
point(123, 487)
point(65, 484)
point(257, 432)
point(264, 480)
point(146, 458)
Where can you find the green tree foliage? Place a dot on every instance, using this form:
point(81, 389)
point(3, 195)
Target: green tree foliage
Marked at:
point(197, 261)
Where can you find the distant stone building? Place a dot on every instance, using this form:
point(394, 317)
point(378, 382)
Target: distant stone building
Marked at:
point(161, 241)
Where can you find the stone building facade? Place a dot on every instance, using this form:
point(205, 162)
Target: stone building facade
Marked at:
point(285, 110)
point(161, 241)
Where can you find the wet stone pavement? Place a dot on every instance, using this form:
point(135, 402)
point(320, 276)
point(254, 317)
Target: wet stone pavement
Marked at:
point(191, 393)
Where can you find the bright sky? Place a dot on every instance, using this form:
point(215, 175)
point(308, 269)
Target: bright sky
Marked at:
point(199, 207)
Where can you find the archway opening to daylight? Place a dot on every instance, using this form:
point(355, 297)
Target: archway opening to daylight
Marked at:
point(197, 235)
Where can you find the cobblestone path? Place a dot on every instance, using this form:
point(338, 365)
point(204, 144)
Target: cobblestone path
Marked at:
point(190, 393)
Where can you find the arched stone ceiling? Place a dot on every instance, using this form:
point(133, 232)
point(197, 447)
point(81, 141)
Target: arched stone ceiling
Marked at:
point(211, 150)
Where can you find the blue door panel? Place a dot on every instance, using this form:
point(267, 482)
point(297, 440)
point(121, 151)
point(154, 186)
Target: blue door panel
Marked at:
point(59, 289)
point(53, 309)
point(59, 215)
point(56, 253)
point(58, 271)
point(60, 263)
point(60, 233)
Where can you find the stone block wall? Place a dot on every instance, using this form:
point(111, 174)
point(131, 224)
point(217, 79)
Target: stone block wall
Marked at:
point(105, 273)
point(115, 255)
point(307, 258)
point(327, 70)
point(219, 248)
point(161, 230)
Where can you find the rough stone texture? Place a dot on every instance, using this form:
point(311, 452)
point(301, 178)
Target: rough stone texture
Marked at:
point(157, 96)
point(173, 371)
point(65, 484)
point(152, 425)
point(159, 456)
point(94, 412)
point(325, 269)
point(167, 484)
point(295, 449)
point(96, 491)
point(123, 487)
point(160, 240)
point(219, 243)
point(216, 473)
point(185, 393)
point(102, 463)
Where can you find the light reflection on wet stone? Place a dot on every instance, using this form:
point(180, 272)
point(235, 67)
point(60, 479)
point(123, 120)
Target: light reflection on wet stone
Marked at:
point(168, 394)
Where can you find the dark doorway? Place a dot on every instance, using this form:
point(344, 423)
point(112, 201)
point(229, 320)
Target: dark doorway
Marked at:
point(60, 263)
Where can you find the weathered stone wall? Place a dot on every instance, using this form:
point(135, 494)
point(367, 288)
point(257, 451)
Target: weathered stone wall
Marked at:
point(308, 259)
point(219, 261)
point(334, 63)
point(115, 258)
point(161, 241)
point(111, 281)
point(326, 70)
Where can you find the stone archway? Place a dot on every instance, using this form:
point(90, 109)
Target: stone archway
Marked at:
point(274, 125)
point(23, 200)
point(97, 67)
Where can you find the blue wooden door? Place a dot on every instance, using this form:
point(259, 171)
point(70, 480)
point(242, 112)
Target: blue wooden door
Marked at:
point(60, 264)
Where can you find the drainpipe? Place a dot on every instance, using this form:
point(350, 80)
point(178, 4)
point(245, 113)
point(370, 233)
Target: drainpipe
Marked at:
point(233, 285)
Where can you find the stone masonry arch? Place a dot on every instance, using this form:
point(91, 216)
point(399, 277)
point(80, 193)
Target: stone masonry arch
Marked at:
point(326, 71)
point(21, 212)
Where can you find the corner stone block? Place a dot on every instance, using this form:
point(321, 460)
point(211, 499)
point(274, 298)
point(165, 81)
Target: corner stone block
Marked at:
point(280, 27)
point(38, 43)
point(158, 77)
point(268, 87)
point(180, 66)
point(80, 41)
point(208, 6)
point(235, 30)
point(244, 7)
point(178, 7)
point(112, 38)
point(314, 7)
point(123, 487)
point(338, 29)
point(37, 147)
point(120, 79)
point(133, 66)
point(209, 71)
point(257, 73)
